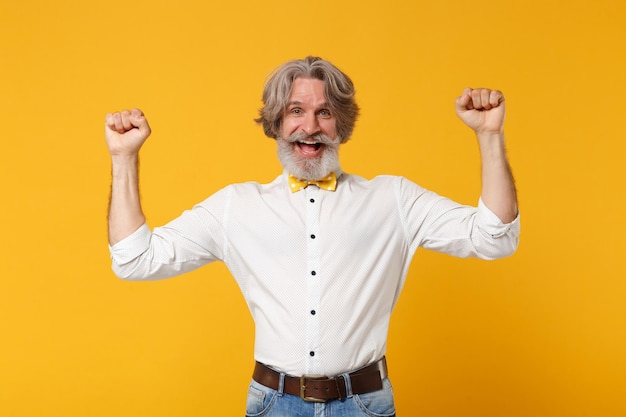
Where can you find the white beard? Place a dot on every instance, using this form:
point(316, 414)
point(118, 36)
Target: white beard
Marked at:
point(308, 168)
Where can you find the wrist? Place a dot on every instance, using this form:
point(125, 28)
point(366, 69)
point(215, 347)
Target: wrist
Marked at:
point(121, 160)
point(124, 156)
point(490, 135)
point(125, 166)
point(490, 140)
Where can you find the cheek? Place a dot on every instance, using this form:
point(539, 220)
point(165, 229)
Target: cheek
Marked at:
point(329, 127)
point(288, 127)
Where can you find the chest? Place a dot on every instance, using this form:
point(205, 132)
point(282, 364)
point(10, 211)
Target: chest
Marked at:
point(316, 223)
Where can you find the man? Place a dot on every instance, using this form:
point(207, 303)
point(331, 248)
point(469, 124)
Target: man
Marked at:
point(320, 264)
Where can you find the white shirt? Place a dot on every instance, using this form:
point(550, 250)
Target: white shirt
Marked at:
point(320, 271)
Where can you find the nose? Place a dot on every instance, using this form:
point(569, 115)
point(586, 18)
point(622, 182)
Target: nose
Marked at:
point(310, 124)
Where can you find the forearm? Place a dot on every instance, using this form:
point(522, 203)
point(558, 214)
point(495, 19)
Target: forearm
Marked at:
point(125, 213)
point(498, 186)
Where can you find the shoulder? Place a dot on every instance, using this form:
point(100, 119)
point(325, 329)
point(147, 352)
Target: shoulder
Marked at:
point(394, 182)
point(244, 190)
point(251, 188)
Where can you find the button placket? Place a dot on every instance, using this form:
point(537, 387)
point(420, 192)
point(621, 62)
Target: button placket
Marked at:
point(313, 197)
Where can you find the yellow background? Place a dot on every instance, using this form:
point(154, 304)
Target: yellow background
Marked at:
point(540, 334)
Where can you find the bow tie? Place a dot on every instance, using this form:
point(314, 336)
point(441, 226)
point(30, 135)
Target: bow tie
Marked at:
point(329, 183)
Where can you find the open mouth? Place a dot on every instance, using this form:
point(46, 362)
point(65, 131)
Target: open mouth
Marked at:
point(309, 148)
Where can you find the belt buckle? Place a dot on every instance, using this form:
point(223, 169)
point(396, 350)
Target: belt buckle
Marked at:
point(303, 395)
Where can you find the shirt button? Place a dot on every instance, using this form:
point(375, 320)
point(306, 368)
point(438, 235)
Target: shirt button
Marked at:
point(312, 353)
point(313, 272)
point(312, 200)
point(312, 236)
point(312, 312)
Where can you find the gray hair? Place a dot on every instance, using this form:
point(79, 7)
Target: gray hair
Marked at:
point(338, 89)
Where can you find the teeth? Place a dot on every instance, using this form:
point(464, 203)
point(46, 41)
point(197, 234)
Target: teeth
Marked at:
point(310, 142)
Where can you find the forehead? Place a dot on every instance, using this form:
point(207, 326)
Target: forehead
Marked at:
point(308, 91)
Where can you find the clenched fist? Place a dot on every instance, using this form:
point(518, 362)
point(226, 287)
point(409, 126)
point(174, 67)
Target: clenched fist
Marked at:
point(126, 131)
point(482, 110)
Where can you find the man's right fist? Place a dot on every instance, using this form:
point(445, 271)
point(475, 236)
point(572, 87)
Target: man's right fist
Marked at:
point(126, 131)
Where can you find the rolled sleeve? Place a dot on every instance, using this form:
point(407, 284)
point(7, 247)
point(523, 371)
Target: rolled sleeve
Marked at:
point(494, 239)
point(491, 224)
point(131, 247)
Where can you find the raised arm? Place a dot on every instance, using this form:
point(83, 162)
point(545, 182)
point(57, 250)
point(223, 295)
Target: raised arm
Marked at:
point(125, 133)
point(483, 111)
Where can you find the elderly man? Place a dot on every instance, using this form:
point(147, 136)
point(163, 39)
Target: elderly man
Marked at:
point(320, 255)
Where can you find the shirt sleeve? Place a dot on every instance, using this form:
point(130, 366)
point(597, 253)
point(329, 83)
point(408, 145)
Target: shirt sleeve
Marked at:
point(193, 239)
point(492, 225)
point(440, 224)
point(131, 247)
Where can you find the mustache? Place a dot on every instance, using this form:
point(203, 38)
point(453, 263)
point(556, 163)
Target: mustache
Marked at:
point(301, 137)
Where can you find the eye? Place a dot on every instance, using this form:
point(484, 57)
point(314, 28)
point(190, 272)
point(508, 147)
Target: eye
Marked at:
point(324, 113)
point(295, 110)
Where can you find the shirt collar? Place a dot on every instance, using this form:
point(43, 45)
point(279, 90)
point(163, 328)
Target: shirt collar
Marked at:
point(338, 173)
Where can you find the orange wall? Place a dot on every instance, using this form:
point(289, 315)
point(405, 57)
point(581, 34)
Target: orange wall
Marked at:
point(540, 334)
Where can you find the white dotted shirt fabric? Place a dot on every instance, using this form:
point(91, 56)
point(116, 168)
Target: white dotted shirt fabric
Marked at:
point(320, 271)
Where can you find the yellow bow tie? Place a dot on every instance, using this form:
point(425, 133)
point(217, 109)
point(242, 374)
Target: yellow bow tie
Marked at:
point(329, 183)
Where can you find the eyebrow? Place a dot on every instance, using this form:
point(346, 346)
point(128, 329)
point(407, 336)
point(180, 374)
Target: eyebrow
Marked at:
point(324, 105)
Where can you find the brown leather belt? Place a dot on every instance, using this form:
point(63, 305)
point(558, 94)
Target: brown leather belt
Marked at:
point(323, 388)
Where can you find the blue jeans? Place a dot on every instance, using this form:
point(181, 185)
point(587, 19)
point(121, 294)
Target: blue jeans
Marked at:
point(266, 402)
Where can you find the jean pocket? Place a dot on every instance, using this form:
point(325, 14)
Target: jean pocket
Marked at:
point(378, 403)
point(260, 400)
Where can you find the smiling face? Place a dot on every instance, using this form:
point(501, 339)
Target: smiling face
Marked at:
point(308, 143)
